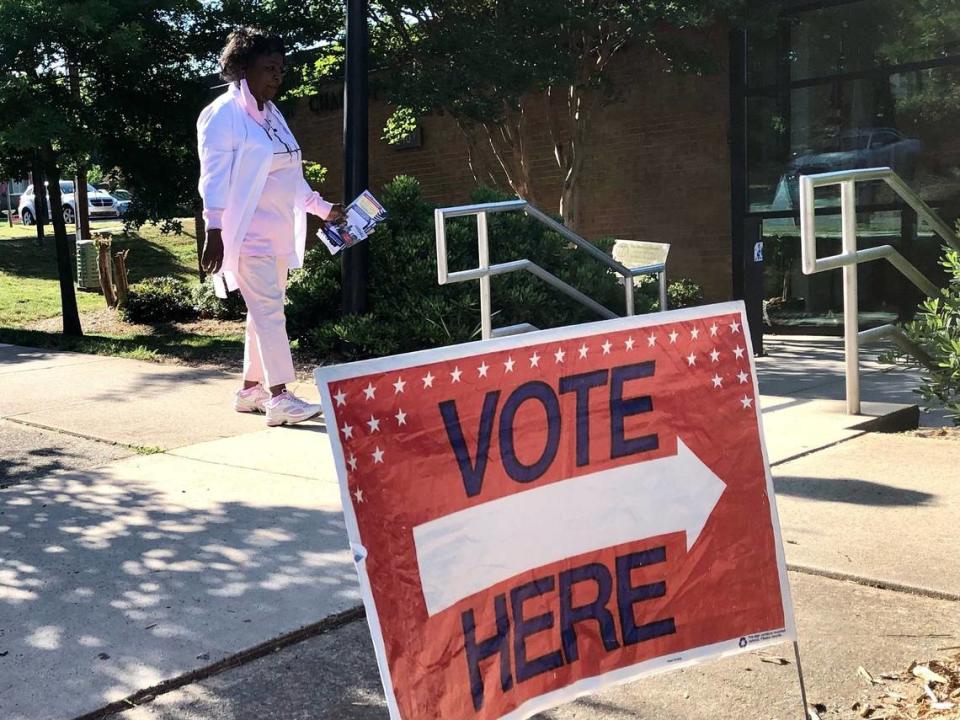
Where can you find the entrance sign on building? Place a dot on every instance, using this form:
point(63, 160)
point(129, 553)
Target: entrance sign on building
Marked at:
point(536, 517)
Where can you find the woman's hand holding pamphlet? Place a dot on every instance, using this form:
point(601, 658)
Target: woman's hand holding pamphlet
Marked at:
point(360, 218)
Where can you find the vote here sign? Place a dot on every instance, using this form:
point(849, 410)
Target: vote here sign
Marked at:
point(536, 517)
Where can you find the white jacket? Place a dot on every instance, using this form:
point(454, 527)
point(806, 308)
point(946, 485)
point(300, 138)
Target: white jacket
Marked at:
point(235, 159)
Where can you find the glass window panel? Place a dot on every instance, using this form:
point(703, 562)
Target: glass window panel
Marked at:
point(906, 122)
point(872, 33)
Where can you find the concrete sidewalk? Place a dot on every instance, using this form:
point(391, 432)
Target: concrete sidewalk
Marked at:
point(123, 569)
point(803, 390)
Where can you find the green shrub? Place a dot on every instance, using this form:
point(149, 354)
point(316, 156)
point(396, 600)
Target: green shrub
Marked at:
point(207, 305)
point(160, 299)
point(936, 329)
point(409, 310)
point(684, 293)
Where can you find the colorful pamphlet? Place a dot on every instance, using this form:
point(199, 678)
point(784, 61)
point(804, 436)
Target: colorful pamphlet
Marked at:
point(361, 217)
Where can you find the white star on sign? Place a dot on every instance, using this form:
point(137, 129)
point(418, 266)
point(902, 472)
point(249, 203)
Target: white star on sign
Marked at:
point(743, 377)
point(651, 341)
point(482, 370)
point(717, 381)
point(695, 333)
point(691, 359)
point(629, 343)
point(358, 495)
point(377, 456)
point(398, 386)
point(738, 351)
point(735, 326)
point(370, 391)
point(340, 397)
point(559, 355)
point(583, 351)
point(509, 364)
point(713, 330)
point(347, 431)
point(673, 337)
point(428, 380)
point(606, 347)
point(534, 360)
point(352, 462)
point(455, 375)
point(715, 355)
point(374, 424)
point(747, 402)
point(401, 417)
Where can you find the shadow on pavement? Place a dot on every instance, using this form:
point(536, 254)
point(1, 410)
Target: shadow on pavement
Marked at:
point(110, 589)
point(849, 490)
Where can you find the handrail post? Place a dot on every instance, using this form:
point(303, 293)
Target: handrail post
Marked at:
point(663, 290)
point(628, 292)
point(851, 312)
point(483, 256)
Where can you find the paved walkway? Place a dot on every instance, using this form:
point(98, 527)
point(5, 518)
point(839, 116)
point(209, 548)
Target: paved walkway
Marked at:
point(122, 569)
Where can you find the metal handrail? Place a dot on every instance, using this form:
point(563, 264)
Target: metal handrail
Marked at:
point(485, 270)
point(850, 256)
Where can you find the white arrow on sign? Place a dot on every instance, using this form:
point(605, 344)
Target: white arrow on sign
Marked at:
point(470, 550)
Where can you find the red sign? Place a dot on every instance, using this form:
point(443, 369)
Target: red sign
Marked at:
point(536, 517)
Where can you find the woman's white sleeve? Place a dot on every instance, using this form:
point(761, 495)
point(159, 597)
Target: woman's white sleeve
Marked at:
point(313, 203)
point(215, 145)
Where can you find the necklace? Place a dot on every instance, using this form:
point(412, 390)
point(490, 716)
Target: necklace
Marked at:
point(274, 134)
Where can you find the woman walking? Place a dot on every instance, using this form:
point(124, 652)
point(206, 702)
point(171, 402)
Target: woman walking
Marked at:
point(255, 201)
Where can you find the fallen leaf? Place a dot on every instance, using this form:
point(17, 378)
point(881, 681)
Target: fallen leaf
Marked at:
point(925, 673)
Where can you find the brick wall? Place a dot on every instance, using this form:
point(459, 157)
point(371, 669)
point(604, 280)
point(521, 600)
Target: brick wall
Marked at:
point(658, 166)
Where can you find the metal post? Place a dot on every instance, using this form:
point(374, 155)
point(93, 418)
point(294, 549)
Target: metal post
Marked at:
point(628, 294)
point(355, 150)
point(851, 314)
point(9, 208)
point(663, 290)
point(483, 253)
point(753, 272)
point(803, 685)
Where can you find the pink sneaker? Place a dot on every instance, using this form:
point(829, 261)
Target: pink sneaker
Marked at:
point(287, 409)
point(251, 400)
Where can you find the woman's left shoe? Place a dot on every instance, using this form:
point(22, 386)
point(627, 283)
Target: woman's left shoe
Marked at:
point(251, 400)
point(287, 409)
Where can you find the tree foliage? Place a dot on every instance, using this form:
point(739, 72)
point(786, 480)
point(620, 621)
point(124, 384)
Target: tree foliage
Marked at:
point(488, 63)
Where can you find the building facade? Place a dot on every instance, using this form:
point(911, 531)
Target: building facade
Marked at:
point(710, 164)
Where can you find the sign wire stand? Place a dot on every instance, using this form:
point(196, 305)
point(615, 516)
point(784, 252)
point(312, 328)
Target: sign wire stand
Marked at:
point(803, 686)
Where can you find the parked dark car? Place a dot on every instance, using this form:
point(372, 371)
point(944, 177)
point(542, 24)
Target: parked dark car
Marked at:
point(857, 149)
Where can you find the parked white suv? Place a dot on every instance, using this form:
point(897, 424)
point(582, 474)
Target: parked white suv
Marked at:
point(100, 204)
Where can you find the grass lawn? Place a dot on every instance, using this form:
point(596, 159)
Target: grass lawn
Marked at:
point(30, 298)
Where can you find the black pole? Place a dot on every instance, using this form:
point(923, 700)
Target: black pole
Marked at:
point(738, 156)
point(355, 150)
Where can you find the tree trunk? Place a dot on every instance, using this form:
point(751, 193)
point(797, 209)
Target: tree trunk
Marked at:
point(568, 116)
point(39, 200)
point(105, 271)
point(81, 213)
point(81, 204)
point(68, 295)
point(506, 140)
point(120, 272)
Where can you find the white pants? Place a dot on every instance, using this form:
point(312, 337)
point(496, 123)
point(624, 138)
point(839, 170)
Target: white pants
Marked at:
point(266, 353)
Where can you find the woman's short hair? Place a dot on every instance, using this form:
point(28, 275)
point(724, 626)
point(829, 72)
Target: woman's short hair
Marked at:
point(243, 45)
